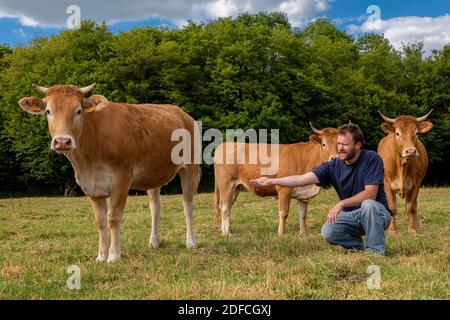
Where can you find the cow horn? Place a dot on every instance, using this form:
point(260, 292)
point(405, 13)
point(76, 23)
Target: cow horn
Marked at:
point(40, 89)
point(386, 118)
point(425, 117)
point(88, 89)
point(314, 129)
point(349, 121)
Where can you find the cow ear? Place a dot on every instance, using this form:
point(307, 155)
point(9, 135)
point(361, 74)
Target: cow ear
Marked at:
point(425, 126)
point(32, 105)
point(91, 103)
point(315, 138)
point(387, 127)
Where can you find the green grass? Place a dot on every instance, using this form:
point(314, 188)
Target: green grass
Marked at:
point(41, 237)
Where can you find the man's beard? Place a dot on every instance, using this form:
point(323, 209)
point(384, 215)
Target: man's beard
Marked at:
point(351, 154)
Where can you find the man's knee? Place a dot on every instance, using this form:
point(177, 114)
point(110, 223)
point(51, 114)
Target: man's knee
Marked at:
point(370, 208)
point(370, 205)
point(328, 233)
point(371, 212)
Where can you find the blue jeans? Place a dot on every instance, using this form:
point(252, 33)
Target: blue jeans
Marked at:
point(370, 220)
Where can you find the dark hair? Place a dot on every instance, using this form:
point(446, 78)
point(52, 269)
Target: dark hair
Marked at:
point(354, 130)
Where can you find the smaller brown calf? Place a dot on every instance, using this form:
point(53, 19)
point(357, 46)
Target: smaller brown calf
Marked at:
point(293, 159)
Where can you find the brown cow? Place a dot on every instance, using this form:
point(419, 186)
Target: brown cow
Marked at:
point(114, 147)
point(405, 162)
point(297, 158)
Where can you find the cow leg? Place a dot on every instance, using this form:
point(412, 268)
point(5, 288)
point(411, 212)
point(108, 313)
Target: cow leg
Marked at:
point(302, 210)
point(216, 202)
point(226, 195)
point(189, 183)
point(101, 212)
point(117, 203)
point(284, 198)
point(155, 206)
point(392, 203)
point(236, 192)
point(411, 209)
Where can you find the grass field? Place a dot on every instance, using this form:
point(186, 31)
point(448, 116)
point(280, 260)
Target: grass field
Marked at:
point(41, 237)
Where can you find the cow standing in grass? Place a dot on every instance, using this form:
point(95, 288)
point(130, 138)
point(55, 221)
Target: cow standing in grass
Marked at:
point(405, 163)
point(296, 158)
point(114, 147)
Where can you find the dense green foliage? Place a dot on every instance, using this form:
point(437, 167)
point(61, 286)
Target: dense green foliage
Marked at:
point(255, 71)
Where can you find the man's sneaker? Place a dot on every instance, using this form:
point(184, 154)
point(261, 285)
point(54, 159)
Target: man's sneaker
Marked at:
point(374, 253)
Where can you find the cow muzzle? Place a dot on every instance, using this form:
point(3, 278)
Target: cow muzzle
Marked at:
point(334, 156)
point(63, 143)
point(410, 153)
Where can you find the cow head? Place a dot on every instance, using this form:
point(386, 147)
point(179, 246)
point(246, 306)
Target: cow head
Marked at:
point(65, 107)
point(327, 139)
point(406, 130)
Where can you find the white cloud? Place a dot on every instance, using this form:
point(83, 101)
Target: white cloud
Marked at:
point(305, 7)
point(46, 13)
point(341, 21)
point(434, 32)
point(216, 9)
point(299, 10)
point(24, 20)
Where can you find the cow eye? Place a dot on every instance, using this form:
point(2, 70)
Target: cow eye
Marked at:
point(78, 112)
point(398, 134)
point(324, 145)
point(47, 112)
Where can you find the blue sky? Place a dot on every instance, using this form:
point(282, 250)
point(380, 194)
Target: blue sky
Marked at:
point(400, 21)
point(390, 8)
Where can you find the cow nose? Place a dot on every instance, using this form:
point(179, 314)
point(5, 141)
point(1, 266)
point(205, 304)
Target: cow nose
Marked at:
point(62, 143)
point(411, 152)
point(334, 156)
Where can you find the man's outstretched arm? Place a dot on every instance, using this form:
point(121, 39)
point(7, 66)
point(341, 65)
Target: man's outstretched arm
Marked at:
point(289, 181)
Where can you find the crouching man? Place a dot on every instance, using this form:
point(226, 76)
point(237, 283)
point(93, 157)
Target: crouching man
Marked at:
point(357, 177)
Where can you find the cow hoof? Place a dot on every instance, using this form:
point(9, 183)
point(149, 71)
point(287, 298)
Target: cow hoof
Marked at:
point(113, 258)
point(154, 243)
point(225, 231)
point(392, 232)
point(191, 245)
point(102, 257)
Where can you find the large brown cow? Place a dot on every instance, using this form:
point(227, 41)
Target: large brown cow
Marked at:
point(405, 162)
point(114, 147)
point(297, 158)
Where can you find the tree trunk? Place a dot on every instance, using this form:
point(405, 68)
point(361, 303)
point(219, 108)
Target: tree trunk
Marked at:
point(70, 188)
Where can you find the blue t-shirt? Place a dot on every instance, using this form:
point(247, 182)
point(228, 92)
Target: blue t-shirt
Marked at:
point(349, 180)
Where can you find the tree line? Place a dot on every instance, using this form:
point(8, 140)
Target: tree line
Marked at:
point(253, 71)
